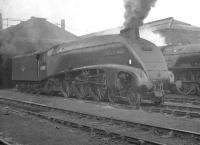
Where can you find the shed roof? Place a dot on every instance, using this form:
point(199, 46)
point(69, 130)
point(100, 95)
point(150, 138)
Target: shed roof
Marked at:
point(31, 35)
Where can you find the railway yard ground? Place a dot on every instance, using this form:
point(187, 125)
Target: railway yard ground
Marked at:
point(19, 128)
point(35, 119)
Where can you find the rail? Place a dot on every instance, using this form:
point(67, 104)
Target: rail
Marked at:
point(115, 128)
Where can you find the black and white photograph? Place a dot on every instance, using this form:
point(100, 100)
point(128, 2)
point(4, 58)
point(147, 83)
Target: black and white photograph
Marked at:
point(99, 72)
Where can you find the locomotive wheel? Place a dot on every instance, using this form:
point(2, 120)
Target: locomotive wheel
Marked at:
point(101, 92)
point(159, 101)
point(38, 89)
point(22, 88)
point(185, 88)
point(28, 88)
point(47, 89)
point(134, 98)
point(84, 90)
point(31, 88)
point(66, 89)
point(112, 96)
point(19, 87)
point(93, 93)
point(76, 91)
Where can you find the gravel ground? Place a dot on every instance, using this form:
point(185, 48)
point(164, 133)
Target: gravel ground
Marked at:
point(19, 128)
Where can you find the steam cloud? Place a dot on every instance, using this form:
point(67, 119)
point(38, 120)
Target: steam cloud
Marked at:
point(136, 12)
point(156, 38)
point(6, 44)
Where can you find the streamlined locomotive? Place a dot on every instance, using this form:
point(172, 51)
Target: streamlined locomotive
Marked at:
point(112, 67)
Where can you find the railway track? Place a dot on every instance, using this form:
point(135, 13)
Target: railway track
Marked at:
point(132, 132)
point(4, 142)
point(169, 107)
point(176, 110)
point(173, 109)
point(187, 99)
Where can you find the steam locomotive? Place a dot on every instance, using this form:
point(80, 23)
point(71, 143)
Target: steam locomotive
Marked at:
point(184, 62)
point(111, 67)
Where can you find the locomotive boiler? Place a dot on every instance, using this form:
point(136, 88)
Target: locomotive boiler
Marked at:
point(184, 62)
point(111, 67)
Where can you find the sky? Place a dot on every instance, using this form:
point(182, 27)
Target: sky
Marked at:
point(87, 16)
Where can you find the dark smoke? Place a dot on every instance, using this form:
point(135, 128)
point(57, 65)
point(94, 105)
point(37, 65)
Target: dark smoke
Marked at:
point(136, 12)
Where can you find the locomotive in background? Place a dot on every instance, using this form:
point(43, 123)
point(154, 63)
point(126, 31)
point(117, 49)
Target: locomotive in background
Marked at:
point(184, 62)
point(112, 67)
point(180, 43)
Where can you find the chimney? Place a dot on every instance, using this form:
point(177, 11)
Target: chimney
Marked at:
point(1, 22)
point(130, 33)
point(63, 24)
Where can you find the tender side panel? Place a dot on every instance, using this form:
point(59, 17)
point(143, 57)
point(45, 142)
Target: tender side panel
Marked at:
point(25, 68)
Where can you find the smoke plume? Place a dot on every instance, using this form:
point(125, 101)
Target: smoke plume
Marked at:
point(136, 12)
point(152, 36)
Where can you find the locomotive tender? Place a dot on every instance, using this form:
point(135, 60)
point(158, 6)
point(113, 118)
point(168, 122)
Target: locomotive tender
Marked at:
point(112, 67)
